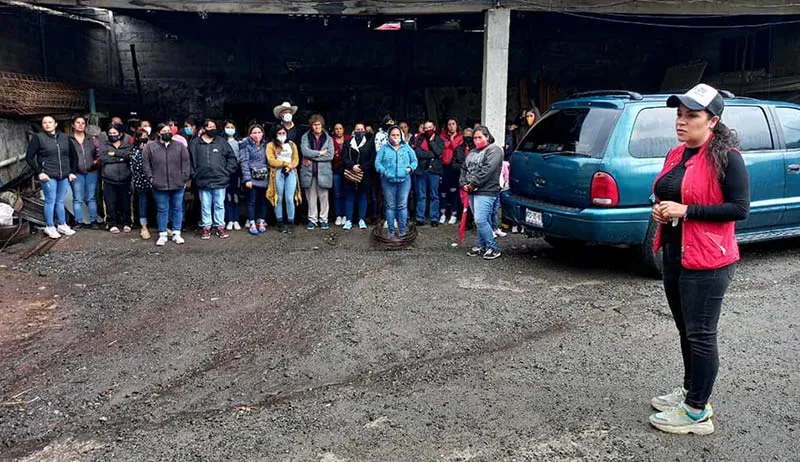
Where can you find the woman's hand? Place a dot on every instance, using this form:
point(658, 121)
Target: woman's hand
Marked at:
point(44, 177)
point(72, 177)
point(306, 163)
point(656, 215)
point(249, 185)
point(669, 210)
point(357, 168)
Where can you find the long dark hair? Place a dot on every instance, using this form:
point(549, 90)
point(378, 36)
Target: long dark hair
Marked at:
point(721, 144)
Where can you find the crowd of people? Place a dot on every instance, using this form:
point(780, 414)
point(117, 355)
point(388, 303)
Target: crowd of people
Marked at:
point(284, 174)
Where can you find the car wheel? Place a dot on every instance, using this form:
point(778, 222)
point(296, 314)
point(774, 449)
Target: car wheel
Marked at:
point(651, 262)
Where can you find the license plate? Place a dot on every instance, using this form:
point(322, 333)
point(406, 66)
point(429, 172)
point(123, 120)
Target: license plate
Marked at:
point(533, 218)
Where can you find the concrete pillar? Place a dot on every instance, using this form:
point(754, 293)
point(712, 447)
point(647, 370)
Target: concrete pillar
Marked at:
point(494, 96)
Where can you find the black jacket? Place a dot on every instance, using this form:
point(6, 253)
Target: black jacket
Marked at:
point(51, 154)
point(166, 166)
point(460, 156)
point(429, 160)
point(364, 157)
point(212, 163)
point(116, 169)
point(87, 154)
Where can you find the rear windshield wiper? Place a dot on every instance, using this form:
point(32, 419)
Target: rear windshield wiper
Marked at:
point(565, 153)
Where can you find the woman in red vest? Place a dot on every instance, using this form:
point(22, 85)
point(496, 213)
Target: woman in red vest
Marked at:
point(701, 192)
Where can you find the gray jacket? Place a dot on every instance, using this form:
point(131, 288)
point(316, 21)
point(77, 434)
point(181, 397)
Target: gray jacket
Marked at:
point(319, 162)
point(167, 167)
point(482, 170)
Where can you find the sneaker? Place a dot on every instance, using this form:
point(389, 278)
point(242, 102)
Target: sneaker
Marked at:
point(499, 233)
point(206, 233)
point(229, 226)
point(94, 225)
point(362, 224)
point(162, 239)
point(475, 251)
point(453, 219)
point(77, 226)
point(237, 226)
point(385, 224)
point(145, 233)
point(324, 225)
point(253, 229)
point(65, 230)
point(51, 232)
point(514, 229)
point(126, 229)
point(177, 238)
point(222, 233)
point(339, 221)
point(442, 219)
point(420, 223)
point(678, 396)
point(262, 227)
point(290, 228)
point(311, 226)
point(169, 233)
point(347, 225)
point(491, 254)
point(677, 420)
point(114, 230)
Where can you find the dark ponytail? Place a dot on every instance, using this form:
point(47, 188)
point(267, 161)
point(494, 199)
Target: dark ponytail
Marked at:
point(724, 140)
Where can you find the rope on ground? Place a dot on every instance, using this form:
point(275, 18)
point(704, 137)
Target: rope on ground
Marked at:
point(381, 240)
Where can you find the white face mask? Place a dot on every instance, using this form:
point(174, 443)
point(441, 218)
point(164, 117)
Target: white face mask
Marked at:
point(148, 130)
point(287, 117)
point(282, 138)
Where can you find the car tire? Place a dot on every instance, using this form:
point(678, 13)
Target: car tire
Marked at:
point(564, 245)
point(651, 262)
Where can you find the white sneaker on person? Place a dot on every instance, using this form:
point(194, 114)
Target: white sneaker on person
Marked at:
point(680, 421)
point(514, 229)
point(385, 224)
point(362, 224)
point(162, 239)
point(338, 221)
point(65, 230)
point(677, 397)
point(442, 219)
point(499, 233)
point(114, 230)
point(176, 237)
point(453, 219)
point(51, 232)
point(229, 226)
point(237, 226)
point(126, 229)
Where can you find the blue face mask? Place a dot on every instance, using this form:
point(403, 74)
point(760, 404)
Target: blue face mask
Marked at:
point(188, 131)
point(230, 131)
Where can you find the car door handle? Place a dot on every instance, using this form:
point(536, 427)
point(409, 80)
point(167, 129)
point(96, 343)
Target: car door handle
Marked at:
point(794, 168)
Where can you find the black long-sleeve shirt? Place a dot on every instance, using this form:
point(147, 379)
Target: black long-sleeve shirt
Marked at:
point(735, 190)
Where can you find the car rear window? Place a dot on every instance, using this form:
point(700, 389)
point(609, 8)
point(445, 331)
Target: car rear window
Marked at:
point(583, 131)
point(654, 130)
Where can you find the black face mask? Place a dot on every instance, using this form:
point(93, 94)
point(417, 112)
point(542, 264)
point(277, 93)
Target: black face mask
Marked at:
point(358, 136)
point(468, 140)
point(113, 138)
point(166, 137)
point(212, 133)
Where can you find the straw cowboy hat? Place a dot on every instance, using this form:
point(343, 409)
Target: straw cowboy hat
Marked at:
point(281, 107)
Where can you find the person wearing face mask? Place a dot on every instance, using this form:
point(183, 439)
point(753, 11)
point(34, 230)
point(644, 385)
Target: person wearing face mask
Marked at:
point(141, 184)
point(84, 188)
point(339, 140)
point(452, 137)
point(213, 163)
point(284, 185)
point(147, 127)
point(480, 178)
point(285, 113)
point(166, 165)
point(53, 159)
point(255, 173)
point(358, 155)
point(459, 158)
point(173, 129)
point(115, 157)
point(428, 175)
point(395, 163)
point(235, 185)
point(316, 173)
point(189, 129)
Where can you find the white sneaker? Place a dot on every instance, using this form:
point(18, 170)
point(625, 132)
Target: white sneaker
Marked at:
point(65, 230)
point(229, 226)
point(665, 402)
point(362, 224)
point(453, 219)
point(338, 221)
point(442, 219)
point(237, 226)
point(176, 237)
point(51, 232)
point(514, 229)
point(500, 233)
point(385, 224)
point(162, 239)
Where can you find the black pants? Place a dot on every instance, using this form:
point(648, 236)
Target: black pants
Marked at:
point(695, 299)
point(118, 204)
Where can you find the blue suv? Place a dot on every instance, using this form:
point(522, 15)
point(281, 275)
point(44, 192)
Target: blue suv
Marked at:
point(584, 172)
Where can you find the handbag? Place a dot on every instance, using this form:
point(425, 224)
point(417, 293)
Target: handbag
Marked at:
point(353, 177)
point(259, 173)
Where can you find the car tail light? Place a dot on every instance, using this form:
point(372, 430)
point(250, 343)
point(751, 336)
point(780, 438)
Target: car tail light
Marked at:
point(605, 192)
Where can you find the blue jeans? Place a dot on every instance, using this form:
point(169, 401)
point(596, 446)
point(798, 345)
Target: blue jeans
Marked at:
point(231, 204)
point(395, 199)
point(142, 195)
point(287, 188)
point(84, 189)
point(338, 194)
point(350, 198)
point(54, 193)
point(496, 212)
point(482, 207)
point(257, 204)
point(212, 198)
point(428, 181)
point(169, 205)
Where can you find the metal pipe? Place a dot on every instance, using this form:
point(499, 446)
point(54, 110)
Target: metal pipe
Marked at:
point(11, 161)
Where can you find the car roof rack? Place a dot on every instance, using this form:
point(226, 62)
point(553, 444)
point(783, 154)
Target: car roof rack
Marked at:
point(630, 94)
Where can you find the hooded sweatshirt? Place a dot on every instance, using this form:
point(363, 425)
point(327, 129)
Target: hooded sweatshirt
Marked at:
point(394, 164)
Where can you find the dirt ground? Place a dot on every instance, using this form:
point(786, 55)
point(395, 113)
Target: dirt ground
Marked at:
point(316, 347)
